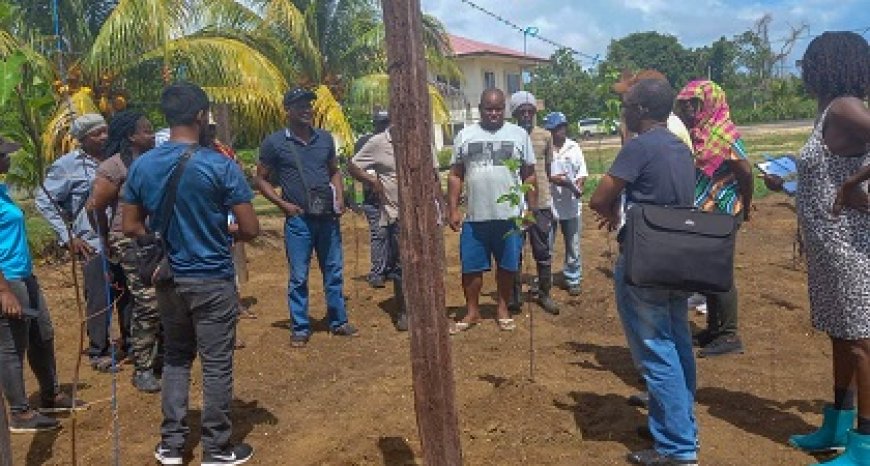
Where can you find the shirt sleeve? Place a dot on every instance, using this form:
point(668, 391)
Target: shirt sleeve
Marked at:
point(738, 151)
point(54, 197)
point(267, 153)
point(130, 194)
point(528, 151)
point(582, 171)
point(629, 162)
point(457, 149)
point(237, 189)
point(111, 171)
point(365, 157)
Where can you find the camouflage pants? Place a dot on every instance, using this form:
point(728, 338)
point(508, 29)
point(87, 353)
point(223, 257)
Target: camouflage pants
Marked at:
point(145, 332)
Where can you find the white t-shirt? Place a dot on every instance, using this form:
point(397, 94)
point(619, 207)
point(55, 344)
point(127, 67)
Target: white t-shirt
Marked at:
point(487, 178)
point(676, 126)
point(568, 161)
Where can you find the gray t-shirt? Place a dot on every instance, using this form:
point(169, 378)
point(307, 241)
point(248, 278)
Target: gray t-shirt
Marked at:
point(487, 178)
point(114, 170)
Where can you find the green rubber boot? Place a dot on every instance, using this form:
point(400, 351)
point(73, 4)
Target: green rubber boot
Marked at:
point(857, 452)
point(831, 436)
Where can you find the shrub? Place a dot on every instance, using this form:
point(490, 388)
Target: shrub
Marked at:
point(444, 156)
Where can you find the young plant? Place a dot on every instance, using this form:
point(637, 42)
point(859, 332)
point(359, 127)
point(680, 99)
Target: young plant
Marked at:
point(514, 197)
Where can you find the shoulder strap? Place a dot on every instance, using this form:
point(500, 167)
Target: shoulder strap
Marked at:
point(167, 205)
point(301, 173)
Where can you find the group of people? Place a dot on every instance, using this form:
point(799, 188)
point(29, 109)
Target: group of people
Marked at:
point(119, 189)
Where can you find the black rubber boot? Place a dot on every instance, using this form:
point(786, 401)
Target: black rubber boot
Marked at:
point(545, 284)
point(516, 302)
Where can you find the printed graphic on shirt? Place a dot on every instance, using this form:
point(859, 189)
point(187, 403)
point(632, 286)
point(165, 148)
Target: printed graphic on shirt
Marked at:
point(487, 154)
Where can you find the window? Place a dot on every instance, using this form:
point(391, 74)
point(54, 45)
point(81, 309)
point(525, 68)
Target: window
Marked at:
point(513, 82)
point(488, 80)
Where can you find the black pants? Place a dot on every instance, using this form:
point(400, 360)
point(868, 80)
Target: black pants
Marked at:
point(103, 284)
point(539, 237)
point(722, 312)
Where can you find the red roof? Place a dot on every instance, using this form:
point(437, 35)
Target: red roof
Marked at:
point(465, 46)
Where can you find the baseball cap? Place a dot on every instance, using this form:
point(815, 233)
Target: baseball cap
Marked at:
point(298, 94)
point(554, 119)
point(381, 115)
point(518, 99)
point(7, 146)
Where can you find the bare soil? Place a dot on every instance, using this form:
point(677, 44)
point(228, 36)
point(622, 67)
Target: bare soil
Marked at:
point(349, 401)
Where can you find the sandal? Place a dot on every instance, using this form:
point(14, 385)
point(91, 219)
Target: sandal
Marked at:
point(459, 327)
point(507, 325)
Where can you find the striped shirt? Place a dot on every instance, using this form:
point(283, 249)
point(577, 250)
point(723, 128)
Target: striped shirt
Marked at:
point(721, 192)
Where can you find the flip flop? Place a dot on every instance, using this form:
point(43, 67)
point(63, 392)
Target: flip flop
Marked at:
point(507, 325)
point(459, 327)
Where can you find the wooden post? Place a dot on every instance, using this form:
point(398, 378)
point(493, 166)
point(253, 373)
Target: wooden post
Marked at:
point(5, 443)
point(421, 241)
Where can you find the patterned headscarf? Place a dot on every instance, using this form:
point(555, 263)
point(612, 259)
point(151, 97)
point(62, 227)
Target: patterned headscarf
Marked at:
point(713, 132)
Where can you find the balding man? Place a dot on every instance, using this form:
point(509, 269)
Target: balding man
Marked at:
point(480, 163)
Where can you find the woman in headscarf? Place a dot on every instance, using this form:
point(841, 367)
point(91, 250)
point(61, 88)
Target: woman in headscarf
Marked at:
point(723, 184)
point(130, 135)
point(832, 174)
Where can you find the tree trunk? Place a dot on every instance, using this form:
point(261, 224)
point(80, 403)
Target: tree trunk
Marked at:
point(422, 247)
point(5, 444)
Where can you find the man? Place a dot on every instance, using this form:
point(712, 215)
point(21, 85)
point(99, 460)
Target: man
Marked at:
point(483, 155)
point(199, 310)
point(130, 135)
point(568, 175)
point(655, 168)
point(67, 186)
point(371, 207)
point(304, 161)
point(25, 324)
point(524, 107)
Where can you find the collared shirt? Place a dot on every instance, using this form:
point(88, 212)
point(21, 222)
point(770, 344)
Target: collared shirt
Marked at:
point(68, 181)
point(542, 143)
point(569, 161)
point(279, 152)
point(15, 261)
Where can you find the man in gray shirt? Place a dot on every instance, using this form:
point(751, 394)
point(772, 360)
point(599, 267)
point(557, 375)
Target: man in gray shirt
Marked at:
point(67, 186)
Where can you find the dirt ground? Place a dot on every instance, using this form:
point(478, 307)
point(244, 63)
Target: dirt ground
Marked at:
point(349, 401)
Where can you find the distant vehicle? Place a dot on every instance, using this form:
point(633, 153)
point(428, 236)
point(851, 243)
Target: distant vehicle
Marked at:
point(589, 127)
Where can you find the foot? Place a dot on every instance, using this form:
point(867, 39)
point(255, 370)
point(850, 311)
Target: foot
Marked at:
point(402, 322)
point(547, 304)
point(105, 364)
point(167, 455)
point(506, 324)
point(31, 421)
point(654, 458)
point(238, 454)
point(62, 403)
point(345, 330)
point(377, 282)
point(703, 338)
point(723, 344)
point(299, 340)
point(641, 400)
point(146, 381)
point(574, 290)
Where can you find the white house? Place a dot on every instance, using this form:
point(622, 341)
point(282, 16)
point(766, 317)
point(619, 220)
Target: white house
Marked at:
point(483, 66)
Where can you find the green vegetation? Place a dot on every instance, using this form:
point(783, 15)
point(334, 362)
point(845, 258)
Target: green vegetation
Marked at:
point(444, 156)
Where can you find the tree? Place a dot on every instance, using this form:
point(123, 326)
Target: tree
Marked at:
point(643, 50)
point(566, 87)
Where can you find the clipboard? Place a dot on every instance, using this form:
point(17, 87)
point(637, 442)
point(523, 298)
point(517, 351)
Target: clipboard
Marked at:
point(783, 167)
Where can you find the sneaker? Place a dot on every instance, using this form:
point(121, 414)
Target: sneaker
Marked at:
point(145, 381)
point(654, 458)
point(723, 344)
point(62, 403)
point(238, 454)
point(641, 400)
point(31, 421)
point(168, 455)
point(402, 322)
point(299, 340)
point(574, 290)
point(703, 338)
point(377, 282)
point(345, 330)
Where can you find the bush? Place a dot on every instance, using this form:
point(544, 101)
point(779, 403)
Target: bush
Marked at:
point(444, 156)
point(40, 236)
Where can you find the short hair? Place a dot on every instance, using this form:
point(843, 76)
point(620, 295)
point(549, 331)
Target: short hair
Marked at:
point(492, 92)
point(837, 63)
point(182, 102)
point(656, 95)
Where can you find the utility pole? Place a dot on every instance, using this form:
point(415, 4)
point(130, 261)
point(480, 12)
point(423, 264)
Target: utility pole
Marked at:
point(5, 444)
point(421, 241)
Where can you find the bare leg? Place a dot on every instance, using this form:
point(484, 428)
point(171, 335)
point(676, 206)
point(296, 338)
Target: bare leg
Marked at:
point(845, 366)
point(505, 283)
point(861, 352)
point(471, 285)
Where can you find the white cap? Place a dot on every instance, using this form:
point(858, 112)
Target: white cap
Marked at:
point(521, 98)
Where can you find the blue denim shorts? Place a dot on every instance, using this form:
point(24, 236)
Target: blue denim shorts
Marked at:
point(480, 241)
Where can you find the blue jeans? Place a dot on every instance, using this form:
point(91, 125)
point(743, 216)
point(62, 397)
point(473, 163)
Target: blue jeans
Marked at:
point(303, 235)
point(657, 329)
point(573, 268)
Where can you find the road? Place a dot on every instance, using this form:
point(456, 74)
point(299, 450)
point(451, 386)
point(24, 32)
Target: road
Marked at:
point(791, 126)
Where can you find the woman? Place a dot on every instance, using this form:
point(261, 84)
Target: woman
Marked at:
point(724, 184)
point(130, 135)
point(25, 325)
point(836, 71)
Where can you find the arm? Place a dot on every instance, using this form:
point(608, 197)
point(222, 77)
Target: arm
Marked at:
point(103, 193)
point(337, 185)
point(9, 305)
point(261, 183)
point(852, 195)
point(49, 199)
point(605, 201)
point(743, 172)
point(246, 219)
point(454, 189)
point(527, 173)
point(133, 220)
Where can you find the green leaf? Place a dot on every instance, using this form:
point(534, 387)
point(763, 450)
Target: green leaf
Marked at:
point(10, 75)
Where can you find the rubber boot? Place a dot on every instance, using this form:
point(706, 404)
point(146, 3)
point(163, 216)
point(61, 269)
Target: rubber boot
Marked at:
point(545, 284)
point(857, 451)
point(516, 302)
point(402, 318)
point(831, 436)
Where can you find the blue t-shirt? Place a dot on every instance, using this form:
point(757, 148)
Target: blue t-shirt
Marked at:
point(657, 169)
point(198, 237)
point(278, 152)
point(15, 261)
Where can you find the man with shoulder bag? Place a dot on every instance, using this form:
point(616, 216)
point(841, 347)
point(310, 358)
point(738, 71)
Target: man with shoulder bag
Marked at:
point(186, 190)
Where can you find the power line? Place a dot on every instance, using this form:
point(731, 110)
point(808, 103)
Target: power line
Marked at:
point(525, 31)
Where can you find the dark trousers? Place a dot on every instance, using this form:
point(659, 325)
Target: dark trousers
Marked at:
point(379, 241)
point(31, 335)
point(103, 284)
point(199, 317)
point(722, 312)
point(539, 237)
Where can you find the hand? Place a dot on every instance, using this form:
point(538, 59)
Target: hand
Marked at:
point(772, 182)
point(234, 228)
point(851, 196)
point(9, 304)
point(290, 209)
point(339, 207)
point(528, 218)
point(455, 219)
point(560, 180)
point(81, 248)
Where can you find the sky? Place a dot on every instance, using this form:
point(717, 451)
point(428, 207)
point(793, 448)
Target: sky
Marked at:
point(589, 25)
